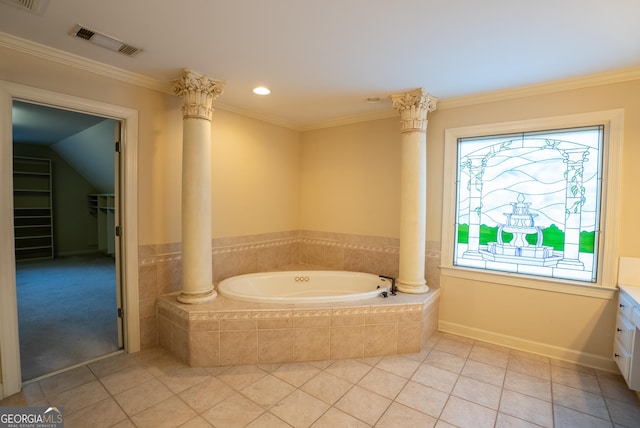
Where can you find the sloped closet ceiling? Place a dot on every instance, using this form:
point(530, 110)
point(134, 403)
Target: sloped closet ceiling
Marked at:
point(85, 142)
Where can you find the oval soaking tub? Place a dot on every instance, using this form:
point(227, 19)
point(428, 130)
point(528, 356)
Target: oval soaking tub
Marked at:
point(315, 286)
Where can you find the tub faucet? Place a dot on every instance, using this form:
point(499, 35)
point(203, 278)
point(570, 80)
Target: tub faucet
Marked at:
point(394, 288)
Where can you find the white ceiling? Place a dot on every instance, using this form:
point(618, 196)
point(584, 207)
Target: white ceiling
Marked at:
point(321, 59)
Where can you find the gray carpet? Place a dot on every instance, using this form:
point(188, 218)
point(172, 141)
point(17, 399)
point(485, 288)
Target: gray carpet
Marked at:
point(66, 312)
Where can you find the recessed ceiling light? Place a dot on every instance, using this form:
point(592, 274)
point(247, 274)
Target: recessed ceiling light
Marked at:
point(372, 100)
point(261, 90)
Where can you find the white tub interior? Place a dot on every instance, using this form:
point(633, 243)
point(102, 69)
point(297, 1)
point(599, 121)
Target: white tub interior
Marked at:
point(303, 286)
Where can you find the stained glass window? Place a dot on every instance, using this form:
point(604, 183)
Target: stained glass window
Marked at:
point(529, 203)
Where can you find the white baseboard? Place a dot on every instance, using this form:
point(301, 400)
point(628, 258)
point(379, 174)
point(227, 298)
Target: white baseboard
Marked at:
point(565, 354)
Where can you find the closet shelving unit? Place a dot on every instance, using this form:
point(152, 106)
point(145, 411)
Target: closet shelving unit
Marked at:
point(102, 206)
point(32, 208)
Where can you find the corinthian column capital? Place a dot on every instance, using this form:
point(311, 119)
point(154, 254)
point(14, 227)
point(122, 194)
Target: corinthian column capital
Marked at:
point(413, 107)
point(199, 92)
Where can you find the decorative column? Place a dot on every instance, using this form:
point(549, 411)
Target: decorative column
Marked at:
point(198, 92)
point(413, 107)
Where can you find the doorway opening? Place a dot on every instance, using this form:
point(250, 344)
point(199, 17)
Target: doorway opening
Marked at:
point(66, 208)
point(11, 379)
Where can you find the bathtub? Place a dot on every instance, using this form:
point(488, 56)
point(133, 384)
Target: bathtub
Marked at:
point(307, 287)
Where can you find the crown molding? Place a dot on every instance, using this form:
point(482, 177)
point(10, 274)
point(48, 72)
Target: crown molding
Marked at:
point(258, 116)
point(349, 120)
point(82, 63)
point(580, 82)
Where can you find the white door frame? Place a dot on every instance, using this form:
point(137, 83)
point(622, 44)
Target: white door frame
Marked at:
point(11, 379)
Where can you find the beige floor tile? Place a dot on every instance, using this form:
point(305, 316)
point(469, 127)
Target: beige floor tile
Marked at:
point(267, 420)
point(516, 353)
point(268, 391)
point(398, 415)
point(102, 414)
point(300, 409)
point(107, 366)
point(61, 382)
point(197, 422)
point(162, 364)
point(125, 379)
point(623, 413)
point(143, 396)
point(206, 394)
point(363, 404)
point(239, 377)
point(575, 379)
point(327, 387)
point(422, 398)
point(235, 411)
point(484, 372)
point(80, 397)
point(567, 418)
point(350, 370)
point(446, 361)
point(530, 366)
point(370, 361)
point(183, 378)
point(527, 408)
point(172, 412)
point(582, 401)
point(419, 356)
point(615, 387)
point(436, 378)
point(443, 424)
point(334, 418)
point(528, 385)
point(127, 423)
point(507, 421)
point(490, 354)
point(478, 392)
point(295, 373)
point(383, 383)
point(572, 366)
point(455, 346)
point(465, 414)
point(399, 365)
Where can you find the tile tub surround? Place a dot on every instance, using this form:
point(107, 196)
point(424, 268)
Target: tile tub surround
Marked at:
point(160, 266)
point(226, 331)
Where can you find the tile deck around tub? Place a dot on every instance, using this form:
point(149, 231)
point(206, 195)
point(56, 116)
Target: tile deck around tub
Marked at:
point(226, 331)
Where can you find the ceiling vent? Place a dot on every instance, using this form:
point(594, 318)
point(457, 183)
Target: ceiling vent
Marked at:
point(104, 41)
point(33, 6)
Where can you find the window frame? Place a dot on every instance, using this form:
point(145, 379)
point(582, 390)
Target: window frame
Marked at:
point(605, 285)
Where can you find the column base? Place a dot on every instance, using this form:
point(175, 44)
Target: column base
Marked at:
point(195, 298)
point(413, 288)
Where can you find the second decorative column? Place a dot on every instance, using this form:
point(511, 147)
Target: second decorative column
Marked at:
point(413, 107)
point(198, 92)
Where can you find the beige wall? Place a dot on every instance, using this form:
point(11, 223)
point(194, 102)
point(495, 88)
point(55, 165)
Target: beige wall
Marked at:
point(255, 175)
point(350, 179)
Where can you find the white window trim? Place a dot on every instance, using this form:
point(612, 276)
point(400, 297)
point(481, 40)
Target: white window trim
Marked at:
point(605, 287)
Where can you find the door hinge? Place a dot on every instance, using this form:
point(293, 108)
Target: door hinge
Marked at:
point(120, 313)
point(117, 146)
point(118, 230)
